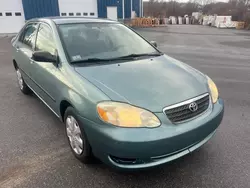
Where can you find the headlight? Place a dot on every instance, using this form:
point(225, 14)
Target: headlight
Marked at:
point(213, 90)
point(125, 115)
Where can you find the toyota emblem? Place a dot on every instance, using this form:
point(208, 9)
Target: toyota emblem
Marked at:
point(193, 107)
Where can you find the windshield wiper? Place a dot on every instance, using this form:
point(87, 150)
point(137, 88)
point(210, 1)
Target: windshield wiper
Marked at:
point(141, 55)
point(127, 57)
point(90, 60)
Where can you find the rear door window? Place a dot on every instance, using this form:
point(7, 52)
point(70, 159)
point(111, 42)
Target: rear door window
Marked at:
point(28, 35)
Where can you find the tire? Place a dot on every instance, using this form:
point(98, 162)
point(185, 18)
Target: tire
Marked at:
point(73, 133)
point(21, 83)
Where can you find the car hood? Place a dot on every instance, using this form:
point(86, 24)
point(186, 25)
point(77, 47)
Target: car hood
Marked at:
point(152, 83)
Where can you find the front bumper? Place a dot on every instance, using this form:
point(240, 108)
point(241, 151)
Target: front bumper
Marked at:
point(139, 148)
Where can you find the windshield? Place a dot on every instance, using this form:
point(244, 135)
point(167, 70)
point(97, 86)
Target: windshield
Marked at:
point(102, 41)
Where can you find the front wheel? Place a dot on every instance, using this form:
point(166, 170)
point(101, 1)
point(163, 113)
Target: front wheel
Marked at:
point(77, 138)
point(21, 83)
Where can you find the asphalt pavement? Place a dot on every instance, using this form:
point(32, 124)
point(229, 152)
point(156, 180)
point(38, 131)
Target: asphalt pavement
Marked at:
point(34, 152)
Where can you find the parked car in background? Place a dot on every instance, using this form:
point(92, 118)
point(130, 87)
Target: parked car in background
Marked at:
point(120, 98)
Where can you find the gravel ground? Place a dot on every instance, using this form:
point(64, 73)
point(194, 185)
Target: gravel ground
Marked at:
point(34, 151)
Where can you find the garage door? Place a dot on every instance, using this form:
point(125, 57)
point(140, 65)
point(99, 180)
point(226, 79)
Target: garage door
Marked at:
point(11, 16)
point(84, 8)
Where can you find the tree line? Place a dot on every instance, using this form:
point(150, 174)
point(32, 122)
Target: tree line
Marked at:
point(239, 9)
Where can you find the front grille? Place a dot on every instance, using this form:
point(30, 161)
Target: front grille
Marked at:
point(179, 113)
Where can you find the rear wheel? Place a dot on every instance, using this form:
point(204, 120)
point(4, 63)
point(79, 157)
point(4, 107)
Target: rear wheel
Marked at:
point(21, 83)
point(77, 138)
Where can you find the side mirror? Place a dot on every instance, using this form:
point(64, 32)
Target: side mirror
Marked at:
point(154, 43)
point(42, 56)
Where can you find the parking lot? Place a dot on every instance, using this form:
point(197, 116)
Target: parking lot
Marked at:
point(33, 147)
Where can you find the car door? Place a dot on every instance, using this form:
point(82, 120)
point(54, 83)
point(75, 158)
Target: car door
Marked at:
point(24, 49)
point(47, 75)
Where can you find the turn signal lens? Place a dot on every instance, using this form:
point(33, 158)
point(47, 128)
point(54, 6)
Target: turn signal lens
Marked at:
point(213, 90)
point(125, 115)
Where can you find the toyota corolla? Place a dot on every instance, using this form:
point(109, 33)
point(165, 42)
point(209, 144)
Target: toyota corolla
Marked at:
point(121, 99)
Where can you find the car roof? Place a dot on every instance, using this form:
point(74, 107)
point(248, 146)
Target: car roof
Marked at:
point(68, 20)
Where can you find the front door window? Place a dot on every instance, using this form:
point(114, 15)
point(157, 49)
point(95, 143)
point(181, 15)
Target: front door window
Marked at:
point(45, 41)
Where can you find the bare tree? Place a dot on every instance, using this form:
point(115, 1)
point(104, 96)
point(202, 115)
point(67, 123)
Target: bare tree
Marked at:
point(239, 9)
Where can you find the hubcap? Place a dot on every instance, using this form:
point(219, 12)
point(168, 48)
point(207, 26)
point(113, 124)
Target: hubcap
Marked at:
point(20, 79)
point(74, 134)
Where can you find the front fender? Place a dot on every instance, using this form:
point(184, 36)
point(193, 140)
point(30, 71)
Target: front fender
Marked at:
point(83, 96)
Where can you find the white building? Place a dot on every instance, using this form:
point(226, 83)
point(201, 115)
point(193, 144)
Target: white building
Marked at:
point(13, 13)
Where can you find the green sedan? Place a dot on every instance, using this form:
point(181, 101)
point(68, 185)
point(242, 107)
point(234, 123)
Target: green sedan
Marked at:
point(121, 99)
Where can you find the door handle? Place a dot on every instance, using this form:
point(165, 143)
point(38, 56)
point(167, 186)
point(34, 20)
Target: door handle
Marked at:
point(17, 48)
